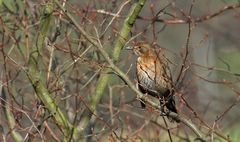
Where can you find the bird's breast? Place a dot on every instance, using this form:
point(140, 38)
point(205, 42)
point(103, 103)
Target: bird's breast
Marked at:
point(150, 75)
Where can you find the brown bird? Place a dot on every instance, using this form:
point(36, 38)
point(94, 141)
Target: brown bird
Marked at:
point(153, 75)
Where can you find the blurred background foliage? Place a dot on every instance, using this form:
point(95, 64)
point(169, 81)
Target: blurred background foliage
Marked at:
point(69, 67)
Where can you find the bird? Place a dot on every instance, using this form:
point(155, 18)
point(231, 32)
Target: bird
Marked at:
point(153, 75)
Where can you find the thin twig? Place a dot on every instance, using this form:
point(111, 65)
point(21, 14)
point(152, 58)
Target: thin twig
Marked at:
point(169, 133)
point(181, 72)
point(114, 17)
point(198, 19)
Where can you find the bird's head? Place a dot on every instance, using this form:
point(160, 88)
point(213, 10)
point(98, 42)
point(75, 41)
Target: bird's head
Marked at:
point(141, 48)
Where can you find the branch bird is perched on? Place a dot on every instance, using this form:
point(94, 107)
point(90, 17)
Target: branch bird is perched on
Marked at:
point(153, 75)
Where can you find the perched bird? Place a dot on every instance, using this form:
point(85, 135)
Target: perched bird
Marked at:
point(153, 75)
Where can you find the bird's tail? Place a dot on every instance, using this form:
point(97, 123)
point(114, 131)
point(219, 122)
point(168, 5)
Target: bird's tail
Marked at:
point(168, 101)
point(170, 104)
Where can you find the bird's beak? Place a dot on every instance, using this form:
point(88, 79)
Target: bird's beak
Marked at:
point(128, 48)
